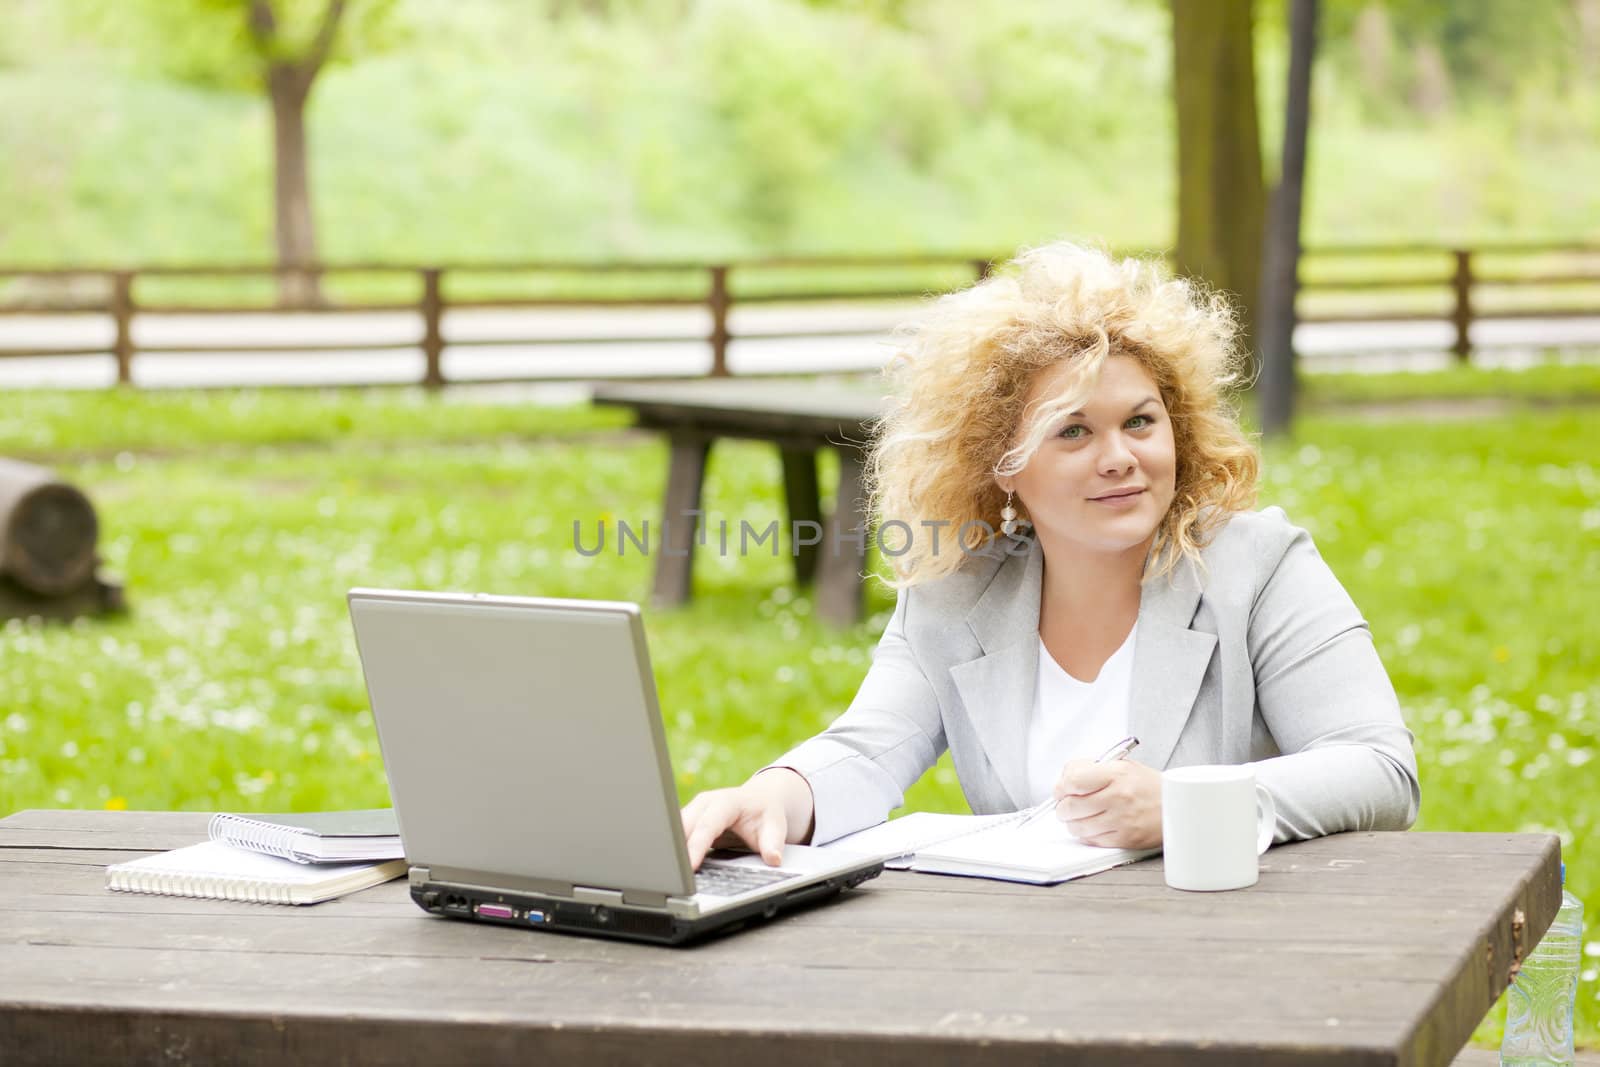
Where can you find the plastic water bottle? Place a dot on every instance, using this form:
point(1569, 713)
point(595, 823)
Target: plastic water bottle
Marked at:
point(1541, 998)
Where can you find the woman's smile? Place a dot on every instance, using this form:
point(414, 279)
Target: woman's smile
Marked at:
point(1121, 499)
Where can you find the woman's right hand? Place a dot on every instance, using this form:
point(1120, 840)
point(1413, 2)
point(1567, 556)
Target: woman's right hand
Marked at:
point(773, 808)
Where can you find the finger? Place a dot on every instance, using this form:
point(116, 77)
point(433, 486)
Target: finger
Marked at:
point(743, 829)
point(1080, 778)
point(1103, 839)
point(1067, 781)
point(1080, 809)
point(1090, 830)
point(1090, 777)
point(773, 830)
point(706, 829)
point(691, 813)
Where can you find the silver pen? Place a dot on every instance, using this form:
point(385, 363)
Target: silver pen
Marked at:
point(1117, 751)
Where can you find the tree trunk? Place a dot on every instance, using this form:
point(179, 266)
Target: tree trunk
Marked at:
point(1588, 18)
point(1432, 89)
point(1374, 41)
point(290, 87)
point(1281, 258)
point(1221, 196)
point(47, 531)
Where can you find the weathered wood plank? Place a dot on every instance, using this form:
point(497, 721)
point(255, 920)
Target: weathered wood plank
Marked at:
point(153, 830)
point(1359, 948)
point(812, 407)
point(1063, 954)
point(136, 1036)
point(985, 1000)
point(1141, 907)
point(63, 877)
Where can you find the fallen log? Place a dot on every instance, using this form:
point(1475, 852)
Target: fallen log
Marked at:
point(97, 596)
point(48, 531)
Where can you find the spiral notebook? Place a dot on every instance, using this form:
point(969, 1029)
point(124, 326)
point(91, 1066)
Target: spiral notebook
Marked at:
point(220, 872)
point(314, 836)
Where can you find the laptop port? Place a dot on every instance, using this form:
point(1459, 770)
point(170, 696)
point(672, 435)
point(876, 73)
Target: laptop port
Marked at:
point(496, 911)
point(534, 916)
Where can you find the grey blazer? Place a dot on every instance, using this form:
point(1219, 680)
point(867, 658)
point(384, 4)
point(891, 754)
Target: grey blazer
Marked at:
point(1259, 657)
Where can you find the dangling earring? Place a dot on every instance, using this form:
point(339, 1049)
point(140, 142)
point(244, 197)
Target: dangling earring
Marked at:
point(1010, 525)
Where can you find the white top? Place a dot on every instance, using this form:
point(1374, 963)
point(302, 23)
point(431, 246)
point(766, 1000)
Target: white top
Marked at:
point(1074, 719)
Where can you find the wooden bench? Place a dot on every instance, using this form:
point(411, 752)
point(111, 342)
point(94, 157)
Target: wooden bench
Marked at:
point(801, 419)
point(1357, 949)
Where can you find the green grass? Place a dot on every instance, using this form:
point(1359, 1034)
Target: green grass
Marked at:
point(1472, 545)
point(48, 424)
point(1552, 382)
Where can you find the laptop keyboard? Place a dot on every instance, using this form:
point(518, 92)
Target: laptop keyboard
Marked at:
point(725, 880)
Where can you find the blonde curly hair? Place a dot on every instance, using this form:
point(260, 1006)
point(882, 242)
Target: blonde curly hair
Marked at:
point(959, 416)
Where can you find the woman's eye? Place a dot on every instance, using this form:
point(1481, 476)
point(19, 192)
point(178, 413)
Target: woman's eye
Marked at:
point(1139, 422)
point(1075, 431)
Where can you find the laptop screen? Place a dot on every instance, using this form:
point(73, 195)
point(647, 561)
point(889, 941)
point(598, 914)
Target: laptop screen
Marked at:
point(522, 738)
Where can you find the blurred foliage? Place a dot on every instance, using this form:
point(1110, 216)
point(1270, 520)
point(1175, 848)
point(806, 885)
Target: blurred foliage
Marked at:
point(1489, 48)
point(696, 128)
point(210, 43)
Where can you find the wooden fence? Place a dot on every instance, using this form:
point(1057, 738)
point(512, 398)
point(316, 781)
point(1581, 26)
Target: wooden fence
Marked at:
point(1370, 283)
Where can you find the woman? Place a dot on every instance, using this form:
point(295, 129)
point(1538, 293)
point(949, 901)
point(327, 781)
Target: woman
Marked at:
point(1075, 403)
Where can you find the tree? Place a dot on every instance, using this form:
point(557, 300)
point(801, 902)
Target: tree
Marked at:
point(279, 46)
point(1221, 192)
point(1281, 257)
point(289, 77)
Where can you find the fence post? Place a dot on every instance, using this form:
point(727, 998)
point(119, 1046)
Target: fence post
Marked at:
point(717, 300)
point(432, 333)
point(1462, 316)
point(122, 316)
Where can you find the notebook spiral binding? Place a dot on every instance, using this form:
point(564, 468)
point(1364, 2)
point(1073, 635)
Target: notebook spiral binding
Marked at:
point(209, 887)
point(255, 835)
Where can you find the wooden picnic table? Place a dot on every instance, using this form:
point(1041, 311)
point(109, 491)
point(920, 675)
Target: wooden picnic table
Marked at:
point(801, 418)
point(1356, 949)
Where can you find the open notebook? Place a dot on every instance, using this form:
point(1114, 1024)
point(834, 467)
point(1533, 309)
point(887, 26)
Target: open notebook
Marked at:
point(1009, 847)
point(221, 872)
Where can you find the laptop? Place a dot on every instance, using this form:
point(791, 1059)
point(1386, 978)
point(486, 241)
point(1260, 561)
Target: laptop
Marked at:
point(528, 768)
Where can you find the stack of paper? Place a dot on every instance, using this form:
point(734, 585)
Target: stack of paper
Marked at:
point(274, 859)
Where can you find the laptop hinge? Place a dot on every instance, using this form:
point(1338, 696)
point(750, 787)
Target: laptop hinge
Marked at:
point(644, 898)
point(585, 895)
point(684, 907)
point(500, 882)
point(614, 898)
point(638, 898)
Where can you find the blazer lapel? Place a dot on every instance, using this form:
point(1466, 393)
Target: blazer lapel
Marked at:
point(997, 689)
point(1169, 663)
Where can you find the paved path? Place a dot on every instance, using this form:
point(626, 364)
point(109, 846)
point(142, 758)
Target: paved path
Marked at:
point(1417, 345)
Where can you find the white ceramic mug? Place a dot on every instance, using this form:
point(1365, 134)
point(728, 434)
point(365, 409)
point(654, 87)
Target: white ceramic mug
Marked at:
point(1213, 829)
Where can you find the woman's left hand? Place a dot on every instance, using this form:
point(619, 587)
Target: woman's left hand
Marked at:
point(1114, 805)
